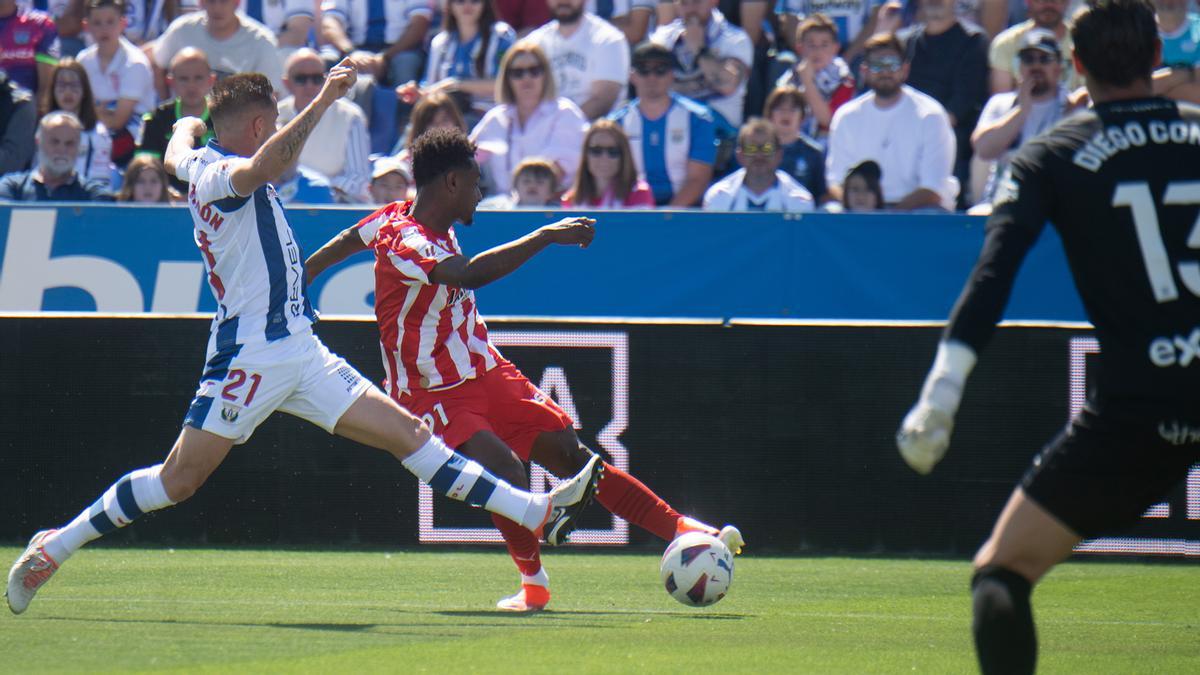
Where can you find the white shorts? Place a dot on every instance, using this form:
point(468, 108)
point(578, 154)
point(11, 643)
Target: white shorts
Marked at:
point(302, 378)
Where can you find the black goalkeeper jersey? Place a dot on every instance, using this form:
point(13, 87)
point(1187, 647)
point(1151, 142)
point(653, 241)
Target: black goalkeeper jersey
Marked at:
point(1121, 184)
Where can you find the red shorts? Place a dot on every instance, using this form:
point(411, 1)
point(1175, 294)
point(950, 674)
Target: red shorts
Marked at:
point(502, 401)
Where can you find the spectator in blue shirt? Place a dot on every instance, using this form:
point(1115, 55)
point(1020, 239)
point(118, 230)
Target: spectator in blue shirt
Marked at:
point(54, 179)
point(673, 138)
point(803, 158)
point(1179, 30)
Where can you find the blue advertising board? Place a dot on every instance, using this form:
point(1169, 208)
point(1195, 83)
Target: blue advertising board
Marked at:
point(653, 264)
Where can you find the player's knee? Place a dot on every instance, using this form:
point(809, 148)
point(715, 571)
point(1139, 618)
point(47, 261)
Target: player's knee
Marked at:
point(180, 483)
point(563, 455)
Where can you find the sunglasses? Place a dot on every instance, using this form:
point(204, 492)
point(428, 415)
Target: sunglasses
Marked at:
point(884, 65)
point(1033, 58)
point(660, 70)
point(604, 151)
point(764, 149)
point(310, 78)
point(522, 73)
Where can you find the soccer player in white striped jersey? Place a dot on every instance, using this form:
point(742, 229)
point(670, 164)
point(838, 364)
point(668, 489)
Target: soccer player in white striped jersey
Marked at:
point(262, 354)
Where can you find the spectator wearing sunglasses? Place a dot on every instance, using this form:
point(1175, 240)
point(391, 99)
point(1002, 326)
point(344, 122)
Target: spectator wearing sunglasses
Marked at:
point(759, 185)
point(338, 148)
point(672, 138)
point(607, 177)
point(906, 132)
point(1011, 118)
point(531, 120)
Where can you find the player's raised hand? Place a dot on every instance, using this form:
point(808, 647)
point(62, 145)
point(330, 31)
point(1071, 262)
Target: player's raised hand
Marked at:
point(191, 126)
point(578, 231)
point(339, 81)
point(924, 436)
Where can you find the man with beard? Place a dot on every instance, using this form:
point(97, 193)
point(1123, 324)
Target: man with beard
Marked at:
point(1011, 118)
point(1044, 14)
point(589, 57)
point(53, 179)
point(904, 131)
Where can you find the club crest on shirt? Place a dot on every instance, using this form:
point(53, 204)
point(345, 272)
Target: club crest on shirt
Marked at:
point(230, 413)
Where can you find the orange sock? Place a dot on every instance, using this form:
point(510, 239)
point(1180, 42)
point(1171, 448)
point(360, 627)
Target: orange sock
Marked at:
point(523, 546)
point(630, 499)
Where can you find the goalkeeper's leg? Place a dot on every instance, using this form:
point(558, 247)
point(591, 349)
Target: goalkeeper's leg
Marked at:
point(1026, 542)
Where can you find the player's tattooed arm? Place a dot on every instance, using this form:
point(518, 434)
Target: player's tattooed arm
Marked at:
point(283, 148)
point(336, 250)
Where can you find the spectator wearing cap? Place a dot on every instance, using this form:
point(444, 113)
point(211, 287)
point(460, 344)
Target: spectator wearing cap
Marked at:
point(1011, 118)
point(906, 132)
point(713, 57)
point(54, 179)
point(803, 157)
point(531, 120)
point(1179, 30)
point(863, 189)
point(338, 147)
point(1002, 57)
point(390, 181)
point(948, 60)
point(673, 138)
point(759, 185)
point(588, 56)
point(393, 32)
point(191, 79)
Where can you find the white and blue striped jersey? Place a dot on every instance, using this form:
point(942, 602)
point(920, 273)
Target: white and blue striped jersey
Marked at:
point(254, 264)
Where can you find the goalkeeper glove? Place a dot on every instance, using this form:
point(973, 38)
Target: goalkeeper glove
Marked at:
point(924, 435)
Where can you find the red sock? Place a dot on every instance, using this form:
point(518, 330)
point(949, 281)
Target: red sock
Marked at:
point(630, 499)
point(525, 549)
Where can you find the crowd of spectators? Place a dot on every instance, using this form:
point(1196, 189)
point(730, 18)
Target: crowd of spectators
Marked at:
point(794, 105)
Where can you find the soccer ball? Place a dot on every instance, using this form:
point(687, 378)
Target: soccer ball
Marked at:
point(697, 569)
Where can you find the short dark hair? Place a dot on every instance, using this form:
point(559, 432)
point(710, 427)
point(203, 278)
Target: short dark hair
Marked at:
point(781, 95)
point(1116, 40)
point(816, 22)
point(437, 152)
point(118, 5)
point(881, 41)
point(236, 94)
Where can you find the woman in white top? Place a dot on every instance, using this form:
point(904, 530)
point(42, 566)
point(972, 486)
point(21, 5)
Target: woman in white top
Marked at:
point(531, 120)
point(71, 92)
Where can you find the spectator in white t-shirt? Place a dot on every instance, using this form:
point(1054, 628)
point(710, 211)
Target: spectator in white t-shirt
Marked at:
point(531, 120)
point(589, 57)
point(714, 57)
point(338, 147)
point(120, 74)
point(906, 132)
point(233, 43)
point(759, 185)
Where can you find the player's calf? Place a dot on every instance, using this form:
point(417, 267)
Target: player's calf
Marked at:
point(1005, 639)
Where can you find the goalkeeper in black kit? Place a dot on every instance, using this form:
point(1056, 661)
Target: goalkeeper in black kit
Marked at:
point(1121, 184)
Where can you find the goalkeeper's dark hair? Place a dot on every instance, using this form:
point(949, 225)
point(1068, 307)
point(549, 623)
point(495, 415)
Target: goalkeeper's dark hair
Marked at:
point(1116, 40)
point(438, 152)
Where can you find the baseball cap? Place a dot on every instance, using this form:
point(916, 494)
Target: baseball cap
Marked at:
point(385, 165)
point(1041, 40)
point(651, 52)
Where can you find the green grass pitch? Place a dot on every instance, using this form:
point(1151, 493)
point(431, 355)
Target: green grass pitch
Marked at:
point(250, 611)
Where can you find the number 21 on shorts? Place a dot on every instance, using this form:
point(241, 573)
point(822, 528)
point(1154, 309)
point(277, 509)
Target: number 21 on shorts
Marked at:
point(430, 421)
point(236, 381)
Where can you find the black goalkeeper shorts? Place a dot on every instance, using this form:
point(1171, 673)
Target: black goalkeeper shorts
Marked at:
point(1105, 469)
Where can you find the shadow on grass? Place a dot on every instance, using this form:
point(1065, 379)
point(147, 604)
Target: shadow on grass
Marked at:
point(566, 613)
point(364, 628)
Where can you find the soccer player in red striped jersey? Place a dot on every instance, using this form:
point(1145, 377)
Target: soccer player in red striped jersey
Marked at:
point(441, 364)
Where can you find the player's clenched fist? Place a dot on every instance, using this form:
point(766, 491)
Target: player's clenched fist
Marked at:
point(339, 81)
point(191, 126)
point(579, 231)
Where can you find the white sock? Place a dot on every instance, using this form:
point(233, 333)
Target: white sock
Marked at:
point(540, 579)
point(467, 481)
point(136, 493)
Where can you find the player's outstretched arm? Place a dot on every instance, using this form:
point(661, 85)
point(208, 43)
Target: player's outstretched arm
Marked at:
point(333, 252)
point(284, 146)
point(498, 262)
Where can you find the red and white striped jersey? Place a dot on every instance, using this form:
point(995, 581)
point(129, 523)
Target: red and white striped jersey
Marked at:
point(430, 334)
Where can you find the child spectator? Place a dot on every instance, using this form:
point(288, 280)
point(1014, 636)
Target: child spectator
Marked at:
point(863, 188)
point(803, 157)
point(821, 75)
point(607, 176)
point(71, 92)
point(390, 181)
point(146, 182)
point(530, 121)
point(120, 75)
point(534, 186)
